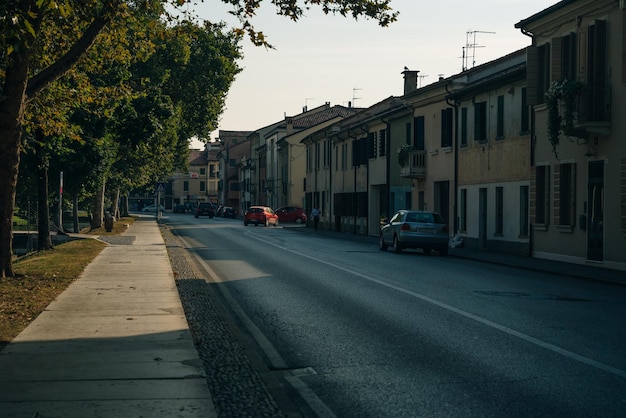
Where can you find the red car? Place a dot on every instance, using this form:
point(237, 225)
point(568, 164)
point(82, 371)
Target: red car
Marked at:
point(260, 215)
point(291, 214)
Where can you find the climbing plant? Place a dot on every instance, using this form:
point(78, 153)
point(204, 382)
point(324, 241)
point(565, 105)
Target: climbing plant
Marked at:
point(561, 102)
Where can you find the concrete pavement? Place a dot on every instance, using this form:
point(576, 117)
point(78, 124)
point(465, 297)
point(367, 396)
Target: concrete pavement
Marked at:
point(114, 344)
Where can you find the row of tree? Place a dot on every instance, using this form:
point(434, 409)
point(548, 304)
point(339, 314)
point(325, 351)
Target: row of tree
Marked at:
point(111, 91)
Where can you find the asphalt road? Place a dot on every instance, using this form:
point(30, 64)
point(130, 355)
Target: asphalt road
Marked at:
point(362, 333)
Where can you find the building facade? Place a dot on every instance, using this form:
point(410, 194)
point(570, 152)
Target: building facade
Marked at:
point(577, 89)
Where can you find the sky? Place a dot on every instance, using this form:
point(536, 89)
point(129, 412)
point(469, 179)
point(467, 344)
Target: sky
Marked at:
point(324, 58)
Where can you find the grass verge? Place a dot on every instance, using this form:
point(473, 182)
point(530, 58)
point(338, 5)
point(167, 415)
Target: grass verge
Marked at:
point(42, 276)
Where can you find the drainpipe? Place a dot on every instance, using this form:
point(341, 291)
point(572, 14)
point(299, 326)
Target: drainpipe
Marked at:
point(388, 166)
point(455, 106)
point(531, 229)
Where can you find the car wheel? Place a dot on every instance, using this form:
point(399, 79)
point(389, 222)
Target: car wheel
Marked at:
point(443, 251)
point(245, 223)
point(298, 220)
point(266, 224)
point(195, 216)
point(397, 247)
point(276, 223)
point(381, 243)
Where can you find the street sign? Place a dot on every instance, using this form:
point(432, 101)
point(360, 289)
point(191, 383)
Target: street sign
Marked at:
point(160, 186)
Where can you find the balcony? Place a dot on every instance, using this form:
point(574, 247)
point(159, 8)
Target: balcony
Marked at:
point(593, 112)
point(415, 168)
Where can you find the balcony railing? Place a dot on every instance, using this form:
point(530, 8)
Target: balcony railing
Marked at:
point(593, 111)
point(416, 165)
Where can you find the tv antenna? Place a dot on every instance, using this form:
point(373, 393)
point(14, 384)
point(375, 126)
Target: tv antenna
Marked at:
point(354, 98)
point(420, 79)
point(306, 102)
point(469, 50)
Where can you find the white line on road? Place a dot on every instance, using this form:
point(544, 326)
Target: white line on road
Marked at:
point(566, 353)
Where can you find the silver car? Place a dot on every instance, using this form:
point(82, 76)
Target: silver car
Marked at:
point(415, 229)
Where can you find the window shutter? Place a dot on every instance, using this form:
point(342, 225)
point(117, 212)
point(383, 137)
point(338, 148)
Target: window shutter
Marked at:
point(583, 32)
point(624, 46)
point(532, 75)
point(556, 62)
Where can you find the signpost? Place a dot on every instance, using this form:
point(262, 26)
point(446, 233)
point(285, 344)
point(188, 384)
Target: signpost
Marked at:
point(159, 187)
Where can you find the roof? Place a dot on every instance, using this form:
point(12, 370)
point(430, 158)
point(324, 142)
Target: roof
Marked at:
point(197, 157)
point(543, 13)
point(309, 119)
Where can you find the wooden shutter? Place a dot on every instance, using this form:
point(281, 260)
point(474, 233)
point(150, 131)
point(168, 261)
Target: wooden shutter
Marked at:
point(532, 75)
point(556, 61)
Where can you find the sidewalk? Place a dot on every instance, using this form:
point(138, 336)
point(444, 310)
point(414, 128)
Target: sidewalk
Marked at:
point(587, 271)
point(114, 344)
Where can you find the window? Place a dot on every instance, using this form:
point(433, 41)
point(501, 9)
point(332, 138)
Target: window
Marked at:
point(500, 116)
point(523, 211)
point(359, 152)
point(421, 200)
point(372, 144)
point(419, 134)
point(382, 142)
point(327, 153)
point(446, 127)
point(232, 162)
point(524, 124)
point(185, 186)
point(541, 195)
point(407, 132)
point(499, 210)
point(308, 159)
point(202, 186)
point(463, 220)
point(565, 194)
point(203, 171)
point(344, 156)
point(464, 126)
point(480, 121)
point(317, 156)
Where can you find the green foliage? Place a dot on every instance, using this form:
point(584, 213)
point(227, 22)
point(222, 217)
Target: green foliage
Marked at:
point(561, 95)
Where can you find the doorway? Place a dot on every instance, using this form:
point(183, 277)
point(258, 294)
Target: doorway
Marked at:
point(595, 215)
point(482, 218)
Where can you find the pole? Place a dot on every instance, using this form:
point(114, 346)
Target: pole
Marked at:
point(61, 201)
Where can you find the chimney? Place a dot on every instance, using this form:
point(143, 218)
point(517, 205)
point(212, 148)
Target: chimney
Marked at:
point(410, 80)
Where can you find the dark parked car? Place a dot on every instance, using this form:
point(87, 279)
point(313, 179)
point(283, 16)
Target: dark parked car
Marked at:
point(205, 208)
point(229, 212)
point(291, 214)
point(415, 229)
point(260, 215)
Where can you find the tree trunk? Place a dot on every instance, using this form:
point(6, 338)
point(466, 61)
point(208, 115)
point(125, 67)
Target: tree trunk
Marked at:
point(44, 241)
point(98, 208)
point(11, 118)
point(125, 205)
point(115, 207)
point(75, 212)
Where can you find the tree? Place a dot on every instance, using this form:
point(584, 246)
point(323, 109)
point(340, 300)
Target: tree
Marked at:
point(21, 25)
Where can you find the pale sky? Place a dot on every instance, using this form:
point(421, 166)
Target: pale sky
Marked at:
point(333, 59)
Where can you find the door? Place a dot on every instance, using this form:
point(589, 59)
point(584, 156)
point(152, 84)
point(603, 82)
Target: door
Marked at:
point(595, 215)
point(482, 218)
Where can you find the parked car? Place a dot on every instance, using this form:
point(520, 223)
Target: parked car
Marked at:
point(205, 208)
point(260, 215)
point(229, 212)
point(415, 229)
point(291, 214)
point(219, 210)
point(152, 208)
